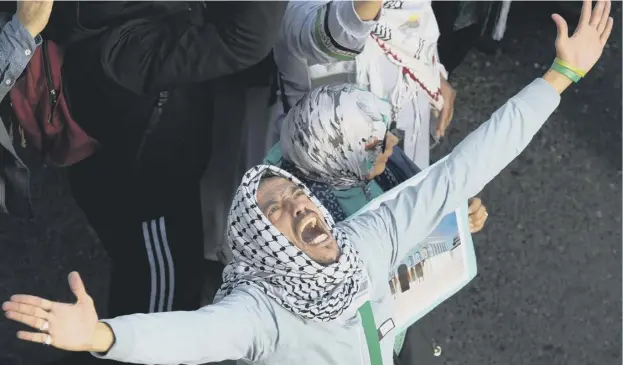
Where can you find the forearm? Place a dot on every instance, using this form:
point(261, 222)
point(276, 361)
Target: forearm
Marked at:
point(237, 327)
point(252, 30)
point(148, 56)
point(559, 82)
point(417, 207)
point(165, 338)
point(324, 32)
point(368, 10)
point(484, 153)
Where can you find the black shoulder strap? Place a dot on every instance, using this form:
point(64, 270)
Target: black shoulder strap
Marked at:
point(154, 118)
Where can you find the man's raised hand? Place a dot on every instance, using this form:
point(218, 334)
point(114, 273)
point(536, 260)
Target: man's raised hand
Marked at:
point(585, 46)
point(65, 326)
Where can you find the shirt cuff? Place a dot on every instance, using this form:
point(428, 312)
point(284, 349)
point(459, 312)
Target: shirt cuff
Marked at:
point(440, 66)
point(345, 17)
point(22, 33)
point(339, 32)
point(442, 71)
point(124, 340)
point(18, 47)
point(540, 96)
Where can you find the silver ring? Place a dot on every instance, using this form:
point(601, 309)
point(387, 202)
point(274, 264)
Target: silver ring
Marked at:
point(44, 326)
point(48, 340)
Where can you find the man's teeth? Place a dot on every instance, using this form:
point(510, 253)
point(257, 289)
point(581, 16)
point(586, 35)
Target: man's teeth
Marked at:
point(320, 238)
point(310, 224)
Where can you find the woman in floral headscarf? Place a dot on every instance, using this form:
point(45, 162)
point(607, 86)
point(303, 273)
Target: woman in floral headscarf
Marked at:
point(336, 141)
point(387, 47)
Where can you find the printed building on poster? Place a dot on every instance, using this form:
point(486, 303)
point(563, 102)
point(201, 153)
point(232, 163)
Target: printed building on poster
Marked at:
point(411, 268)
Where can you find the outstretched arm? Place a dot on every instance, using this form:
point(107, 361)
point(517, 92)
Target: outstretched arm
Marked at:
point(153, 55)
point(403, 222)
point(328, 31)
point(399, 224)
point(239, 326)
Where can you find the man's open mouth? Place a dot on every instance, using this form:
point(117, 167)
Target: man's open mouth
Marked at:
point(313, 231)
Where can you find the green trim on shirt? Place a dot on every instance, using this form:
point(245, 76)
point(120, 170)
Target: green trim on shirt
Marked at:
point(323, 40)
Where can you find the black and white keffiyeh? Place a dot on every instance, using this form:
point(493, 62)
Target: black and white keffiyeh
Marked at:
point(265, 259)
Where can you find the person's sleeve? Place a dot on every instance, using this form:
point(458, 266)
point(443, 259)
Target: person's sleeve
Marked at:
point(16, 48)
point(241, 326)
point(324, 32)
point(440, 67)
point(400, 224)
point(148, 56)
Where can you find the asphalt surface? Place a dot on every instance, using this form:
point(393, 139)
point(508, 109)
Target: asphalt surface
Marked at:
point(548, 289)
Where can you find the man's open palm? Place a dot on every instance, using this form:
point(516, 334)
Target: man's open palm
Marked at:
point(69, 326)
point(584, 47)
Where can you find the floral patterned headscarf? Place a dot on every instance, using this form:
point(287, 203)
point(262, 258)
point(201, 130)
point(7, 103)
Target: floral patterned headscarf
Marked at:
point(325, 134)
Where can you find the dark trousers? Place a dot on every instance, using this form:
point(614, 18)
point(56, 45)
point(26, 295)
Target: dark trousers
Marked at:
point(147, 213)
point(156, 248)
point(148, 216)
point(419, 345)
point(149, 221)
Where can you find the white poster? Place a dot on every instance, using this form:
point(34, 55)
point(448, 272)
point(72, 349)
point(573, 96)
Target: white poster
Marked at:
point(435, 270)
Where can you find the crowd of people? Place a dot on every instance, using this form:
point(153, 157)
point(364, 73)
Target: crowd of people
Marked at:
point(251, 133)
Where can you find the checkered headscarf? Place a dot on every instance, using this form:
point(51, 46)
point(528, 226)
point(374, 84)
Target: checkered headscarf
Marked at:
point(265, 259)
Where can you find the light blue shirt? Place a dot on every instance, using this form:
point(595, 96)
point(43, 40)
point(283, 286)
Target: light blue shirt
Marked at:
point(16, 48)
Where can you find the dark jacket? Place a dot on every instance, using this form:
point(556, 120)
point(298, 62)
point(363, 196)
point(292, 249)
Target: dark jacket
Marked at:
point(115, 79)
point(123, 58)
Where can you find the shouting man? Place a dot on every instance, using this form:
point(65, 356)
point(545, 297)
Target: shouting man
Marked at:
point(300, 289)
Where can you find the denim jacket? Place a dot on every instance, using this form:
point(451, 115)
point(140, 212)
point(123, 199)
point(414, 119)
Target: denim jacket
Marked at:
point(16, 48)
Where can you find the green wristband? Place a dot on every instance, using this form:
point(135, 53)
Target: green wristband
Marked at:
point(567, 65)
point(566, 72)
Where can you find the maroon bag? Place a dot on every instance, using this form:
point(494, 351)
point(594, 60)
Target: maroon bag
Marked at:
point(40, 107)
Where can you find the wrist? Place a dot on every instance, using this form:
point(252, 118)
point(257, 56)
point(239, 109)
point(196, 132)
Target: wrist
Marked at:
point(29, 28)
point(368, 10)
point(557, 80)
point(103, 338)
point(571, 68)
point(31, 31)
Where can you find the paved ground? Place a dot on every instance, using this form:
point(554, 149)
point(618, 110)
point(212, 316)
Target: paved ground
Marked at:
point(549, 284)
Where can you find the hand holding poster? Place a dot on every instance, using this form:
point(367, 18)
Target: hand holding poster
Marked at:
point(435, 269)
